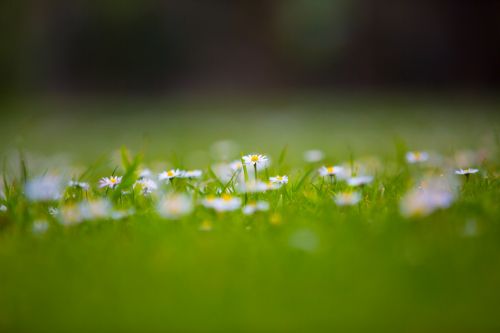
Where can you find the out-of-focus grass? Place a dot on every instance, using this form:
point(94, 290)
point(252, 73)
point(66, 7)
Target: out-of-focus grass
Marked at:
point(353, 269)
point(340, 126)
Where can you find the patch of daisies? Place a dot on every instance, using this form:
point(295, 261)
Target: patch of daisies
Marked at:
point(242, 186)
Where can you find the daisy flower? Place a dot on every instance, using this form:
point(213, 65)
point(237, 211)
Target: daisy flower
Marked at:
point(236, 165)
point(45, 188)
point(416, 156)
point(430, 194)
point(330, 170)
point(313, 155)
point(147, 186)
point(223, 171)
point(226, 203)
point(272, 186)
point(253, 207)
point(170, 174)
point(347, 198)
point(466, 172)
point(359, 181)
point(208, 201)
point(145, 173)
point(80, 185)
point(192, 174)
point(259, 161)
point(279, 180)
point(175, 206)
point(254, 187)
point(110, 182)
point(421, 203)
point(95, 209)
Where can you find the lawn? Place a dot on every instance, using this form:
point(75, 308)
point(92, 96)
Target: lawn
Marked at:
point(415, 247)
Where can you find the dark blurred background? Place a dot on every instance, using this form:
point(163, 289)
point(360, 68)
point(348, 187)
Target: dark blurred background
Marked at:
point(153, 46)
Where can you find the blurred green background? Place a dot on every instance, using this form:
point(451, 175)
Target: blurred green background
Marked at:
point(344, 126)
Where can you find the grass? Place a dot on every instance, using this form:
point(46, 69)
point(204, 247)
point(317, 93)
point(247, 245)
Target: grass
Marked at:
point(305, 265)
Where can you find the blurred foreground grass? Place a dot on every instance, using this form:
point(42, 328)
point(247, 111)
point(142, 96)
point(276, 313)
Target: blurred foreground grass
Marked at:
point(320, 269)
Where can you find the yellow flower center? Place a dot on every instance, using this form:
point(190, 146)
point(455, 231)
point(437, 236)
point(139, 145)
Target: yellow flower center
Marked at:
point(226, 197)
point(254, 158)
point(330, 169)
point(112, 180)
point(170, 173)
point(279, 178)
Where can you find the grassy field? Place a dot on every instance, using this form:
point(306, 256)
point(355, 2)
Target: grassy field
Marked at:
point(306, 264)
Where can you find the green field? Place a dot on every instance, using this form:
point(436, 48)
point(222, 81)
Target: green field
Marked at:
point(304, 265)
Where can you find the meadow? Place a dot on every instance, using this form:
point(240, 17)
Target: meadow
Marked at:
point(176, 216)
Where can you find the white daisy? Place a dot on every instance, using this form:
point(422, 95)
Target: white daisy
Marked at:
point(170, 174)
point(45, 188)
point(145, 173)
point(255, 187)
point(420, 202)
point(359, 181)
point(279, 180)
point(313, 155)
point(226, 203)
point(147, 186)
point(416, 156)
point(192, 174)
point(466, 172)
point(110, 182)
point(253, 207)
point(175, 206)
point(95, 209)
point(272, 186)
point(223, 171)
point(330, 170)
point(208, 201)
point(430, 194)
point(236, 165)
point(79, 185)
point(347, 198)
point(259, 161)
